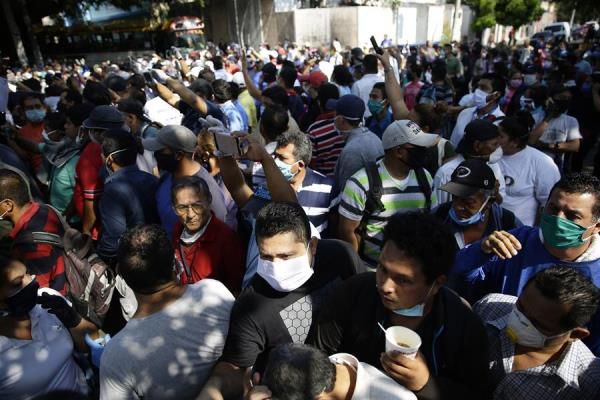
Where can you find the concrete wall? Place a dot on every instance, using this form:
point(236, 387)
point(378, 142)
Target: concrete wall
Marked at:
point(374, 21)
point(344, 25)
point(276, 26)
point(312, 25)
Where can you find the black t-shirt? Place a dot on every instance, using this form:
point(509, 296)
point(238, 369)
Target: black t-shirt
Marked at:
point(263, 318)
point(454, 339)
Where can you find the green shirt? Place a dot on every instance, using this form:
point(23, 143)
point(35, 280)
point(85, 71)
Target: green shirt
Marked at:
point(62, 184)
point(398, 196)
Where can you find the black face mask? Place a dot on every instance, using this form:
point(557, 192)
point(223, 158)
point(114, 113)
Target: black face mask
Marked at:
point(561, 105)
point(417, 157)
point(24, 300)
point(166, 162)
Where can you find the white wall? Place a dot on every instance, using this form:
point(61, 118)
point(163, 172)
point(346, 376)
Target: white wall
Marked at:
point(407, 22)
point(435, 23)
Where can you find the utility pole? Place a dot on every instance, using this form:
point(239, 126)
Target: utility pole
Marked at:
point(35, 48)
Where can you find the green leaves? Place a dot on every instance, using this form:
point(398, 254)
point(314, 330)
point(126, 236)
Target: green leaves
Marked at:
point(505, 12)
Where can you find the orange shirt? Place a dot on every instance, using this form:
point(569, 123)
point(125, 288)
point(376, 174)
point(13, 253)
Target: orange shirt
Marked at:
point(33, 133)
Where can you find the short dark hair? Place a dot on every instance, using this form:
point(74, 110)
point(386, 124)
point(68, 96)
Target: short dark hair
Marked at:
point(498, 83)
point(277, 94)
point(217, 63)
point(426, 239)
point(580, 183)
point(55, 121)
point(14, 187)
point(302, 145)
point(342, 76)
point(73, 95)
point(123, 142)
point(203, 88)
point(438, 71)
point(116, 83)
point(79, 113)
point(222, 91)
point(96, 93)
point(327, 91)
point(518, 126)
point(137, 81)
point(370, 64)
point(569, 287)
point(282, 217)
point(197, 184)
point(235, 90)
point(31, 95)
point(298, 371)
point(288, 75)
point(145, 258)
point(274, 120)
point(207, 74)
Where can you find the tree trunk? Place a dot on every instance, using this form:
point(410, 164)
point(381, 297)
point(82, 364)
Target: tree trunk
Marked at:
point(35, 47)
point(14, 31)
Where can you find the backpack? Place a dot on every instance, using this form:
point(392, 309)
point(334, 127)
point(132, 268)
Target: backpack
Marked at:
point(373, 204)
point(90, 281)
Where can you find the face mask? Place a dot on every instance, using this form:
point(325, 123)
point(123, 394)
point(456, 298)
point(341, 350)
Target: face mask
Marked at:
point(530, 79)
point(480, 98)
point(416, 310)
point(20, 303)
point(515, 83)
point(286, 169)
point(375, 106)
point(35, 116)
point(46, 136)
point(561, 233)
point(472, 220)
point(526, 103)
point(520, 330)
point(286, 276)
point(417, 157)
point(110, 171)
point(561, 105)
point(79, 137)
point(166, 162)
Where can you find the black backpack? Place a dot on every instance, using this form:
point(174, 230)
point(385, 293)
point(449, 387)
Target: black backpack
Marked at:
point(373, 204)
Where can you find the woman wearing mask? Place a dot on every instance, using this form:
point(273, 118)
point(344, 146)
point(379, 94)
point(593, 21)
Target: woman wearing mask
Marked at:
point(529, 174)
point(38, 333)
point(515, 90)
point(473, 212)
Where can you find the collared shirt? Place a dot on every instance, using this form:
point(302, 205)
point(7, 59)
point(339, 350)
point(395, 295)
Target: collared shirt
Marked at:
point(575, 374)
point(372, 383)
point(378, 126)
point(327, 143)
point(362, 147)
point(125, 205)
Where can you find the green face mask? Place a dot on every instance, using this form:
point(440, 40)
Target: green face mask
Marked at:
point(562, 233)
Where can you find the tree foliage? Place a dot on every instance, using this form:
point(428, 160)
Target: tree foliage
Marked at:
point(585, 10)
point(505, 12)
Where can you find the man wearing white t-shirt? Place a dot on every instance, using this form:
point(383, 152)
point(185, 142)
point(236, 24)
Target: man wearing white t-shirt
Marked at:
point(486, 97)
point(302, 371)
point(480, 141)
point(170, 346)
point(558, 133)
point(529, 174)
point(362, 87)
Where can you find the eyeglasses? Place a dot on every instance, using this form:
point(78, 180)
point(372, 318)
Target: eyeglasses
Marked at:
point(182, 209)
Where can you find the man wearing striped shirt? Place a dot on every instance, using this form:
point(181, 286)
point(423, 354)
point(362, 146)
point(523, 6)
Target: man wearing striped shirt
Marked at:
point(327, 142)
point(405, 147)
point(292, 156)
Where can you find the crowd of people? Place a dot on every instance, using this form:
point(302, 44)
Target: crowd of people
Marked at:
point(234, 223)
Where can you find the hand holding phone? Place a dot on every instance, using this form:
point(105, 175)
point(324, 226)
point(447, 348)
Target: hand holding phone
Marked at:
point(376, 47)
point(228, 145)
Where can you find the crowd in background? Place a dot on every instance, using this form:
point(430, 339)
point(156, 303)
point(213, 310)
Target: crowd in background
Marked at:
point(244, 222)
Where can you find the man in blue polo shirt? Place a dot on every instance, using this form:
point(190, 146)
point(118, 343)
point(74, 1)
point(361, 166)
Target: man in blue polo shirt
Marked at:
point(292, 156)
point(504, 262)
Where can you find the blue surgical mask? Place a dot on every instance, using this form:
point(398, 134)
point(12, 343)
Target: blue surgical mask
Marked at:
point(472, 220)
point(35, 116)
point(417, 310)
point(285, 169)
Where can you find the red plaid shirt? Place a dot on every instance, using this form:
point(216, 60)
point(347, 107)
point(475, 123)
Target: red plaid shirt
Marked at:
point(43, 260)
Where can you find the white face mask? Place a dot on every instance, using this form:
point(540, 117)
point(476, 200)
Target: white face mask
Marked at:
point(288, 275)
point(520, 330)
point(480, 98)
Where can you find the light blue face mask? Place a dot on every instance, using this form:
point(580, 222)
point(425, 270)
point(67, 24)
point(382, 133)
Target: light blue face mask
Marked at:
point(472, 220)
point(415, 311)
point(285, 169)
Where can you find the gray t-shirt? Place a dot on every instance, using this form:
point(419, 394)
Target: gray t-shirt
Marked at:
point(169, 354)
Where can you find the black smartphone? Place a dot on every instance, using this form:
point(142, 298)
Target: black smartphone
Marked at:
point(229, 145)
point(376, 47)
point(148, 78)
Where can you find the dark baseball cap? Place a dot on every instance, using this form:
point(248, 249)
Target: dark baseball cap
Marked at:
point(469, 177)
point(175, 137)
point(349, 106)
point(478, 129)
point(104, 117)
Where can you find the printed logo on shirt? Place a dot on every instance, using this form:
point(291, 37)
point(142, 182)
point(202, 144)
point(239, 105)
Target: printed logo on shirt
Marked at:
point(509, 180)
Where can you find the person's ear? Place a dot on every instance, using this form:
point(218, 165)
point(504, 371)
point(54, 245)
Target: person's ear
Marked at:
point(301, 165)
point(579, 333)
point(312, 244)
point(476, 146)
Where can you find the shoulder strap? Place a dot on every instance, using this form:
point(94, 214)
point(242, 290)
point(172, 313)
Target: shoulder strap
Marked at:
point(39, 237)
point(373, 203)
point(424, 186)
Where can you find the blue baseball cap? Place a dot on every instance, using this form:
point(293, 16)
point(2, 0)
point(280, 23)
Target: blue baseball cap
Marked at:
point(349, 106)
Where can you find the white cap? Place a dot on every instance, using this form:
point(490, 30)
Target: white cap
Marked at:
point(238, 78)
point(406, 131)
